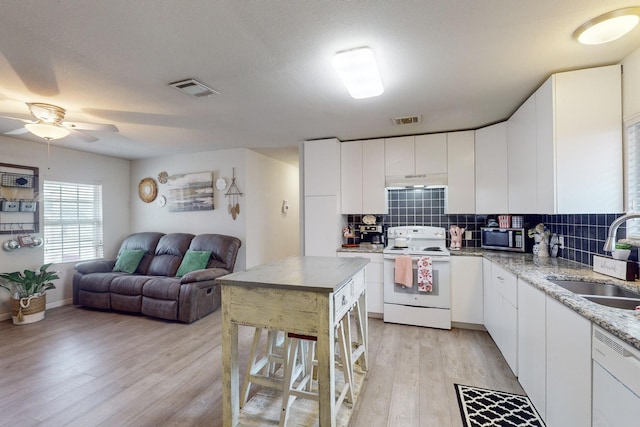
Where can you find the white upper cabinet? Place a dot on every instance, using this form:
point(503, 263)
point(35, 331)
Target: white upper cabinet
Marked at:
point(565, 145)
point(461, 194)
point(522, 168)
point(399, 156)
point(322, 167)
point(362, 177)
point(492, 173)
point(580, 141)
point(431, 153)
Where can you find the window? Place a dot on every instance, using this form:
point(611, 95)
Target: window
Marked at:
point(633, 174)
point(72, 222)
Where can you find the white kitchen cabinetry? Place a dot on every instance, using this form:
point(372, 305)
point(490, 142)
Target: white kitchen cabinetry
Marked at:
point(416, 155)
point(362, 177)
point(466, 290)
point(579, 116)
point(565, 145)
point(488, 300)
point(461, 194)
point(532, 343)
point(492, 175)
point(399, 156)
point(522, 168)
point(502, 313)
point(431, 154)
point(568, 361)
point(374, 276)
point(322, 219)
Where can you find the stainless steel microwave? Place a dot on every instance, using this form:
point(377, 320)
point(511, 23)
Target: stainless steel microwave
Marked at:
point(504, 239)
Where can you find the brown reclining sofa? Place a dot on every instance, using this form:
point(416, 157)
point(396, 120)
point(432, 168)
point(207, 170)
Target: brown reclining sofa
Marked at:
point(153, 288)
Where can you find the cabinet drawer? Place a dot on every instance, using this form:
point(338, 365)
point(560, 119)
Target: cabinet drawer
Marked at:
point(342, 299)
point(505, 283)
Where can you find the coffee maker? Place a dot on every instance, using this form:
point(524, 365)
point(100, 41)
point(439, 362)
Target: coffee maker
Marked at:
point(373, 234)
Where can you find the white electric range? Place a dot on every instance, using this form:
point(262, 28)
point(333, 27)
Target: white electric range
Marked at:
point(406, 304)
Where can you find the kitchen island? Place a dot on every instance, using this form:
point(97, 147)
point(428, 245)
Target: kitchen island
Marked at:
point(303, 295)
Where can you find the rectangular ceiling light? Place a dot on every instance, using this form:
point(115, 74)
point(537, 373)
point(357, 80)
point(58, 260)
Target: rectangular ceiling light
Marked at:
point(194, 88)
point(358, 71)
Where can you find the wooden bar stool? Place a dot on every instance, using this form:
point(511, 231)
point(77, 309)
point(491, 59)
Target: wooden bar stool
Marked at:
point(262, 371)
point(299, 363)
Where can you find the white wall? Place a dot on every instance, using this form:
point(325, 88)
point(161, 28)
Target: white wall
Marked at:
point(73, 166)
point(271, 234)
point(264, 232)
point(631, 84)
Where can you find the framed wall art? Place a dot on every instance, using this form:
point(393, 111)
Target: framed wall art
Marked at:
point(190, 192)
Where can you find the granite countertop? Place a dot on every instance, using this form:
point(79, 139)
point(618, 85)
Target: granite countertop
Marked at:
point(363, 247)
point(536, 271)
point(624, 324)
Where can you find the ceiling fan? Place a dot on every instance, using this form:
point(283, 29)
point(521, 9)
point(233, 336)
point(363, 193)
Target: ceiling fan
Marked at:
point(49, 124)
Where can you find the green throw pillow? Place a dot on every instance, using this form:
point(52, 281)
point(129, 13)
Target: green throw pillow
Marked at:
point(192, 261)
point(128, 260)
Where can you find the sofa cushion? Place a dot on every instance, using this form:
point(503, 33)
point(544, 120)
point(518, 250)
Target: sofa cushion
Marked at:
point(147, 241)
point(128, 260)
point(164, 288)
point(224, 249)
point(169, 253)
point(128, 285)
point(192, 261)
point(97, 282)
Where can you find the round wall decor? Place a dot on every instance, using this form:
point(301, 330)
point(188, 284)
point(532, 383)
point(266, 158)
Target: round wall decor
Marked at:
point(163, 177)
point(147, 190)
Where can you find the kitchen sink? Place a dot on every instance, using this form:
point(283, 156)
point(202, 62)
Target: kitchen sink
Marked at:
point(602, 293)
point(624, 303)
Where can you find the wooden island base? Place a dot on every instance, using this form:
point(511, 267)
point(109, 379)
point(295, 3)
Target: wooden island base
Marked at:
point(263, 409)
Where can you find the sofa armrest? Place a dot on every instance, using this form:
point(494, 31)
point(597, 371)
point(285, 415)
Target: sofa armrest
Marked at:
point(204, 275)
point(101, 266)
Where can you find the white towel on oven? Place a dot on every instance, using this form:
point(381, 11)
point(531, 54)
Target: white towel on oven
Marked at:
point(404, 271)
point(425, 274)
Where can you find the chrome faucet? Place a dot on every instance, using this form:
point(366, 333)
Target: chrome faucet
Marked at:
point(610, 244)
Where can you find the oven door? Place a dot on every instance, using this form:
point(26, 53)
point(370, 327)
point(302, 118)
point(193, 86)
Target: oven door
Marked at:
point(439, 297)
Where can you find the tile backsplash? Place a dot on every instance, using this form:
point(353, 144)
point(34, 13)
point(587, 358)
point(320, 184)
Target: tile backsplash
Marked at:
point(584, 234)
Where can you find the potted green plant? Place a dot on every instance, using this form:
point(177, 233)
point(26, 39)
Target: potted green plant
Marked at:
point(28, 301)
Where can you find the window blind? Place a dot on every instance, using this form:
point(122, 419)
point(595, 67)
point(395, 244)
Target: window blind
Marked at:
point(633, 176)
point(72, 222)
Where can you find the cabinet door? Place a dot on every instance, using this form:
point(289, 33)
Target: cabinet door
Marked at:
point(322, 226)
point(545, 147)
point(374, 193)
point(489, 310)
point(399, 156)
point(431, 153)
point(521, 140)
point(531, 343)
point(351, 177)
point(321, 167)
point(568, 367)
point(588, 131)
point(492, 191)
point(461, 195)
point(466, 290)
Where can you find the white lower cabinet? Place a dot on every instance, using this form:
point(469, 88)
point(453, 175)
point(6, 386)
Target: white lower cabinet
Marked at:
point(502, 313)
point(568, 373)
point(532, 343)
point(374, 277)
point(466, 290)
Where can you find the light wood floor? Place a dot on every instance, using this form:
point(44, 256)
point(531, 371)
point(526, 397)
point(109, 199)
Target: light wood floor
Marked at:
point(80, 367)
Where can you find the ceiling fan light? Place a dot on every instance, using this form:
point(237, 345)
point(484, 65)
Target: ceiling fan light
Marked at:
point(358, 71)
point(48, 132)
point(608, 27)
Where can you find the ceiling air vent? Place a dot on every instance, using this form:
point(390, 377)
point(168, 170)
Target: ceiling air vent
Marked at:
point(406, 120)
point(194, 88)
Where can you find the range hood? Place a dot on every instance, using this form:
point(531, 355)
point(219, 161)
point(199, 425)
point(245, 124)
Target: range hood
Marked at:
point(436, 180)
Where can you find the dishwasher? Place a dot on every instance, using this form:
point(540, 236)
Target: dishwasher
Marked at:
point(616, 381)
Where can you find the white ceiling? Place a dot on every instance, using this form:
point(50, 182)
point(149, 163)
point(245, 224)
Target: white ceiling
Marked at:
point(461, 64)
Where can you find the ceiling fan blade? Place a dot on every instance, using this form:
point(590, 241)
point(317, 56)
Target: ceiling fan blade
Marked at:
point(90, 126)
point(17, 118)
point(84, 136)
point(19, 131)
